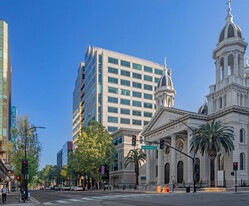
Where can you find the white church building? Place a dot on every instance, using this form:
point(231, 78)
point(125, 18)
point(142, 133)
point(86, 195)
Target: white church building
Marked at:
point(227, 101)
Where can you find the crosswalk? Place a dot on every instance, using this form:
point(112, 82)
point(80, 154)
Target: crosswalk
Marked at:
point(96, 198)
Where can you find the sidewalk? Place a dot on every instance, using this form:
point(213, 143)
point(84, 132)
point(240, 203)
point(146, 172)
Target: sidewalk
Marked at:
point(13, 200)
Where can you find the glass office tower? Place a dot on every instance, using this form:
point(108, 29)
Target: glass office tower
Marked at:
point(5, 90)
point(117, 90)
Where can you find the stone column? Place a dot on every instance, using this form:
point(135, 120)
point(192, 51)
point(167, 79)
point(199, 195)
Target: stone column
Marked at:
point(148, 166)
point(160, 163)
point(236, 65)
point(189, 161)
point(217, 71)
point(173, 158)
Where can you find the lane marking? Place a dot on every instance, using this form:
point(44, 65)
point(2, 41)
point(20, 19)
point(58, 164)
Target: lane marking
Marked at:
point(86, 198)
point(74, 200)
point(62, 201)
point(48, 203)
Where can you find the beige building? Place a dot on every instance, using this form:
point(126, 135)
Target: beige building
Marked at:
point(5, 90)
point(119, 175)
point(117, 90)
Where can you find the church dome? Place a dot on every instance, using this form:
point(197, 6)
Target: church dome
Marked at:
point(203, 109)
point(230, 30)
point(165, 80)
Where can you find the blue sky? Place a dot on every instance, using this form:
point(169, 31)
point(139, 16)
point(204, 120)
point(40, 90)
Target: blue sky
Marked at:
point(48, 39)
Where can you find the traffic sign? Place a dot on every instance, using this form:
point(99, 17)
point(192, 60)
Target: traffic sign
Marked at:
point(149, 147)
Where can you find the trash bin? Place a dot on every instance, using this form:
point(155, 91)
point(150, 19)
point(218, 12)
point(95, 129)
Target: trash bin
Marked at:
point(188, 189)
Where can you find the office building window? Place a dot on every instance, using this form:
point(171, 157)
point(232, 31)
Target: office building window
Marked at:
point(147, 114)
point(136, 113)
point(112, 119)
point(148, 96)
point(136, 75)
point(125, 82)
point(156, 79)
point(124, 121)
point(113, 109)
point(136, 103)
point(125, 73)
point(147, 78)
point(112, 60)
point(125, 101)
point(125, 63)
point(148, 87)
point(147, 105)
point(137, 66)
point(113, 90)
point(136, 122)
point(112, 80)
point(125, 111)
point(112, 99)
point(158, 71)
point(147, 69)
point(112, 70)
point(137, 85)
point(112, 129)
point(137, 94)
point(125, 92)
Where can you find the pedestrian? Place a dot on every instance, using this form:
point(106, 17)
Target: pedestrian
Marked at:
point(4, 191)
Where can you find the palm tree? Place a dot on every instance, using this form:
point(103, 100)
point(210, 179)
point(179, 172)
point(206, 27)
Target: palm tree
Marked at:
point(135, 157)
point(210, 137)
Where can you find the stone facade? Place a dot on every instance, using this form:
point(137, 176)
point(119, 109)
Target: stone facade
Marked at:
point(228, 101)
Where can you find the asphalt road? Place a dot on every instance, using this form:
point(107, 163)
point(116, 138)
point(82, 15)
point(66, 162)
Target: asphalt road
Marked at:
point(113, 198)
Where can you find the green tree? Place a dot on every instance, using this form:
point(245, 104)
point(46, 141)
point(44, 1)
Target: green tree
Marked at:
point(16, 150)
point(94, 149)
point(135, 157)
point(210, 138)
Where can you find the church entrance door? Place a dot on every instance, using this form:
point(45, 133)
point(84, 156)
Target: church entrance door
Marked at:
point(180, 172)
point(166, 173)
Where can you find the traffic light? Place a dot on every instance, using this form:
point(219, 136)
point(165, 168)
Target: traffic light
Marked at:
point(134, 140)
point(19, 178)
point(235, 166)
point(161, 143)
point(25, 167)
point(197, 168)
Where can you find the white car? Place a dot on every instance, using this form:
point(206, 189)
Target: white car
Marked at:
point(65, 188)
point(72, 188)
point(78, 188)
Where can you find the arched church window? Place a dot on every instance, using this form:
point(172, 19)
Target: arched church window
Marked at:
point(169, 102)
point(241, 135)
point(166, 173)
point(241, 157)
point(230, 64)
point(220, 162)
point(221, 68)
point(220, 100)
point(230, 31)
point(241, 100)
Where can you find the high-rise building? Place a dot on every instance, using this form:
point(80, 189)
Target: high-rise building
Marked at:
point(117, 90)
point(59, 159)
point(5, 89)
point(13, 120)
point(76, 102)
point(66, 149)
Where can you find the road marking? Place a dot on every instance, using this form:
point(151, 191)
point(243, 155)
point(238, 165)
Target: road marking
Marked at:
point(48, 203)
point(74, 200)
point(85, 198)
point(62, 201)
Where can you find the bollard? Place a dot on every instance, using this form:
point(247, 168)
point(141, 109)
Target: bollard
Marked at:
point(158, 189)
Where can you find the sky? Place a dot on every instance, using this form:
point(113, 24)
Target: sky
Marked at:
point(48, 39)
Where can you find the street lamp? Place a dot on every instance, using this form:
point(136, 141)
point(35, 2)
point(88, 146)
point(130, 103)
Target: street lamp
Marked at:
point(25, 175)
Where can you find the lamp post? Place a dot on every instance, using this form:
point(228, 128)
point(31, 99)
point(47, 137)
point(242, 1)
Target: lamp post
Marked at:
point(26, 175)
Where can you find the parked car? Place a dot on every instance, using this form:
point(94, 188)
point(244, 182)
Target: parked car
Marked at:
point(65, 188)
point(55, 187)
point(48, 188)
point(78, 188)
point(72, 188)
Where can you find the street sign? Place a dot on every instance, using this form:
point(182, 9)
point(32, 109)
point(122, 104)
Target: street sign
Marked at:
point(149, 147)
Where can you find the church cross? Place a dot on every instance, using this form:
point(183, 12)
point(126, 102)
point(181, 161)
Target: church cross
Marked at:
point(229, 3)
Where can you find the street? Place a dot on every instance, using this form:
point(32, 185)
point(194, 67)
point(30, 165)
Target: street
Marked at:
point(122, 198)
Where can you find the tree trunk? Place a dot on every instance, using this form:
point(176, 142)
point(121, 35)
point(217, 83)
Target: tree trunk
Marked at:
point(212, 173)
point(137, 173)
